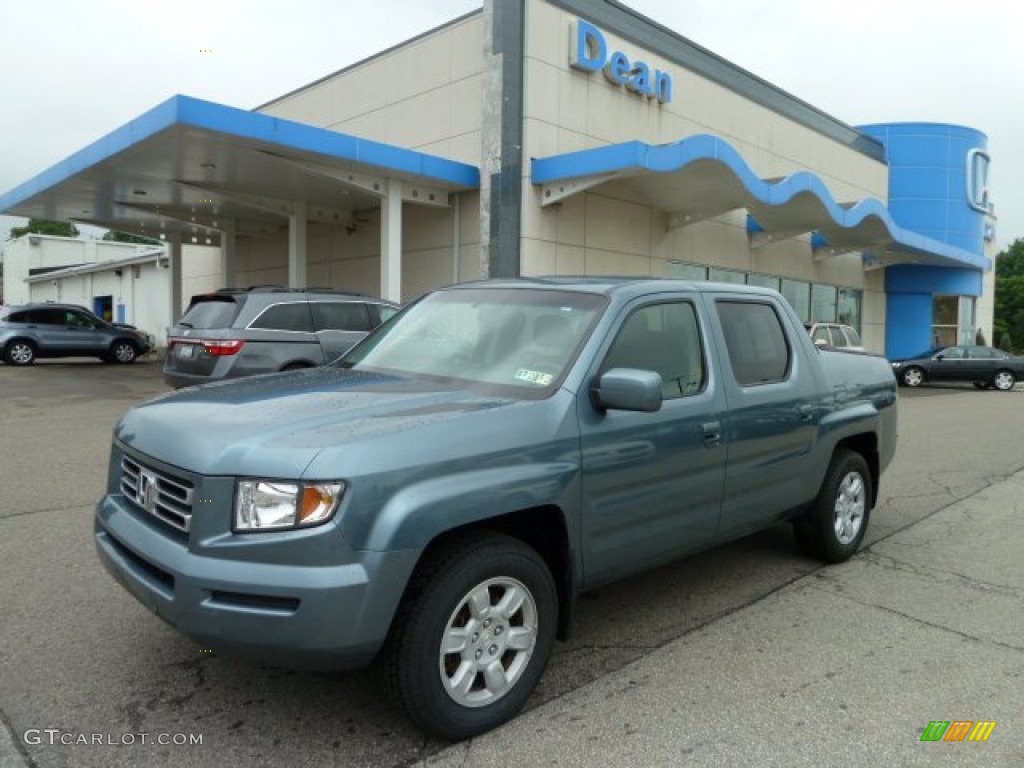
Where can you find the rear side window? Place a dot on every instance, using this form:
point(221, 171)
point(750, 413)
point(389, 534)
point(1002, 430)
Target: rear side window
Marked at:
point(293, 316)
point(211, 312)
point(852, 337)
point(755, 341)
point(341, 316)
point(386, 312)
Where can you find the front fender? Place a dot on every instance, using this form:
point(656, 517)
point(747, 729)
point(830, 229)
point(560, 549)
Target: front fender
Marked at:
point(418, 513)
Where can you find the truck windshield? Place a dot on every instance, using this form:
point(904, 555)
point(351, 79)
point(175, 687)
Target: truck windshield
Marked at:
point(518, 338)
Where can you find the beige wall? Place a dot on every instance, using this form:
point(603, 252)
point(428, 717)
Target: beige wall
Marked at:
point(609, 231)
point(424, 95)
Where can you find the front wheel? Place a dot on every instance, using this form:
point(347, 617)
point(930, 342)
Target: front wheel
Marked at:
point(912, 377)
point(834, 527)
point(474, 634)
point(1004, 381)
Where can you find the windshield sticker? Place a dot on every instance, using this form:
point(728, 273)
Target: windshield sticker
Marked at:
point(534, 377)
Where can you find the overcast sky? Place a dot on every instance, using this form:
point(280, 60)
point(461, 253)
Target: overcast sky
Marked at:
point(72, 71)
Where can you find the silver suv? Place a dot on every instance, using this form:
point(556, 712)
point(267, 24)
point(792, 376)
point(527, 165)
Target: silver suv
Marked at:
point(234, 333)
point(33, 331)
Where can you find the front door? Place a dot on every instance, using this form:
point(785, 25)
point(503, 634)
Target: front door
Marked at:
point(652, 482)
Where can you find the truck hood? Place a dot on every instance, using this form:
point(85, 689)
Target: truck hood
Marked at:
point(276, 425)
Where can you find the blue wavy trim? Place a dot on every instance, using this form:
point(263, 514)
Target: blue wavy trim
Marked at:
point(636, 157)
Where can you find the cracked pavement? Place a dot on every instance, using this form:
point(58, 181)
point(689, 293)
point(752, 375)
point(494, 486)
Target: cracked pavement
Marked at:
point(744, 655)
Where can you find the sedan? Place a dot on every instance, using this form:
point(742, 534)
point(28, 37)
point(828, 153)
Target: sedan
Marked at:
point(985, 367)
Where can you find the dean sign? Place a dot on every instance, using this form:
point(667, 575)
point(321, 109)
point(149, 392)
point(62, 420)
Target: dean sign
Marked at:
point(588, 51)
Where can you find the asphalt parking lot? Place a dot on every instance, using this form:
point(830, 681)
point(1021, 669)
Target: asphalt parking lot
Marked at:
point(672, 667)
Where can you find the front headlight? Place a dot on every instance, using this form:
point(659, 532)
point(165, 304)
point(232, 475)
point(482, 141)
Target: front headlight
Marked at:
point(262, 505)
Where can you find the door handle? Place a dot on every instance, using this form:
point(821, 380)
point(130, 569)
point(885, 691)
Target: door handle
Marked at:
point(712, 433)
point(806, 412)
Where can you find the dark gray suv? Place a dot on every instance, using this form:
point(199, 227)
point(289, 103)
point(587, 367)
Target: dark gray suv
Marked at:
point(233, 333)
point(33, 331)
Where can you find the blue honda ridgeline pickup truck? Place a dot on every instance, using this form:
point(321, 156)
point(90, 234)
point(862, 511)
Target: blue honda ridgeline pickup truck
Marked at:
point(441, 494)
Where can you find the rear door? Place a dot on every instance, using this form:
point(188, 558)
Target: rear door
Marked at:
point(770, 425)
point(340, 324)
point(652, 482)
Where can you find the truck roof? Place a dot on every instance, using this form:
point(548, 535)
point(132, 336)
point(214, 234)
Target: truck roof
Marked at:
point(609, 285)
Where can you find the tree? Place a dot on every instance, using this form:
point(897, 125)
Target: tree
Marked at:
point(1009, 300)
point(127, 237)
point(45, 227)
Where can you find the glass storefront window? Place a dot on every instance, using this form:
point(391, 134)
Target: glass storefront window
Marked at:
point(763, 281)
point(945, 313)
point(727, 276)
point(965, 320)
point(849, 307)
point(798, 294)
point(823, 303)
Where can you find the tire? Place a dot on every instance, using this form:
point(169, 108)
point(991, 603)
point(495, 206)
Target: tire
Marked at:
point(495, 657)
point(1004, 380)
point(20, 352)
point(912, 377)
point(123, 351)
point(834, 527)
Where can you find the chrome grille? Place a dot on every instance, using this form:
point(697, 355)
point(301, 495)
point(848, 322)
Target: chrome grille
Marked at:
point(166, 498)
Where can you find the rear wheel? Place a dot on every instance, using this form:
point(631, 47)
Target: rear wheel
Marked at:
point(1004, 380)
point(834, 527)
point(912, 377)
point(122, 351)
point(20, 352)
point(474, 634)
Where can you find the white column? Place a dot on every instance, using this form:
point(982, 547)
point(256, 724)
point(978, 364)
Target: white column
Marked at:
point(391, 242)
point(298, 259)
point(228, 267)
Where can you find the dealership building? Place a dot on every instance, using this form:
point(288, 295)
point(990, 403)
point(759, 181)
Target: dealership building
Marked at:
point(555, 137)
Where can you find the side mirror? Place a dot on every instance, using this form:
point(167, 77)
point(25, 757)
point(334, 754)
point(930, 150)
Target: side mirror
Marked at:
point(820, 343)
point(940, 356)
point(628, 389)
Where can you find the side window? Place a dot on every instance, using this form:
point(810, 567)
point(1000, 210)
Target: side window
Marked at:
point(76, 319)
point(341, 316)
point(755, 341)
point(20, 317)
point(954, 353)
point(293, 316)
point(663, 338)
point(821, 334)
point(48, 316)
point(852, 337)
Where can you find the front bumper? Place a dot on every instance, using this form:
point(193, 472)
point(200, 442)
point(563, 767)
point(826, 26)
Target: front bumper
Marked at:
point(294, 615)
